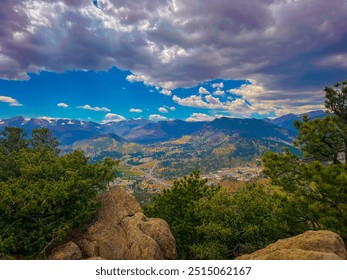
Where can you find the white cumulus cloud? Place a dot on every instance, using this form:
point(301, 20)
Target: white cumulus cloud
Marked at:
point(11, 101)
point(191, 101)
point(166, 92)
point(156, 117)
point(236, 106)
point(134, 78)
point(219, 92)
point(134, 110)
point(110, 117)
point(218, 85)
point(163, 110)
point(63, 105)
point(97, 109)
point(199, 117)
point(202, 90)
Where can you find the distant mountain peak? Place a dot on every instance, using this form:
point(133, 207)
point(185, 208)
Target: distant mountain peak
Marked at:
point(287, 121)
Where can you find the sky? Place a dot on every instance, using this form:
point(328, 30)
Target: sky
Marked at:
point(111, 60)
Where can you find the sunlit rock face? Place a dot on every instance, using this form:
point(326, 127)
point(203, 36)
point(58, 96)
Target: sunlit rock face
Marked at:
point(122, 232)
point(311, 245)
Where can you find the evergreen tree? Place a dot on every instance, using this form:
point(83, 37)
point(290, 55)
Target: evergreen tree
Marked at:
point(233, 224)
point(43, 139)
point(44, 196)
point(336, 103)
point(12, 139)
point(317, 192)
point(317, 183)
point(336, 100)
point(177, 206)
point(320, 139)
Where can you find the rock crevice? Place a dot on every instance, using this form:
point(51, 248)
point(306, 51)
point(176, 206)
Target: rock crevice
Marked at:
point(121, 231)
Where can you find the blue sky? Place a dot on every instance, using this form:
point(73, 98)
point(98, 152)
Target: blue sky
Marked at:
point(106, 95)
point(110, 60)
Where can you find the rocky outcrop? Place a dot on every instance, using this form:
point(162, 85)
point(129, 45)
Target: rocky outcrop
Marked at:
point(67, 251)
point(311, 245)
point(122, 232)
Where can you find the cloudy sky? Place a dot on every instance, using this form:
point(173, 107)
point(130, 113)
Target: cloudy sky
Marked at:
point(164, 59)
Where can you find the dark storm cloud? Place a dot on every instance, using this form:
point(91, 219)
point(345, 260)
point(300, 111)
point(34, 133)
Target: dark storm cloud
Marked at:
point(286, 46)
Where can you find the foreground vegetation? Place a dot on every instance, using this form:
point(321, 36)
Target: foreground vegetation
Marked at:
point(209, 223)
point(43, 195)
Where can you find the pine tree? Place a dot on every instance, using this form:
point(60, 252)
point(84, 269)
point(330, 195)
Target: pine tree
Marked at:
point(317, 183)
point(44, 196)
point(12, 139)
point(336, 103)
point(177, 206)
point(43, 139)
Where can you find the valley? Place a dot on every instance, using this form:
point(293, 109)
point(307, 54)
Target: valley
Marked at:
point(226, 151)
point(144, 181)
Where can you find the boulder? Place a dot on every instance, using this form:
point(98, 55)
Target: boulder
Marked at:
point(311, 245)
point(122, 232)
point(67, 251)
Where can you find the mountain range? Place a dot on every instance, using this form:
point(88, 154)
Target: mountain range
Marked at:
point(144, 131)
point(67, 131)
point(176, 146)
